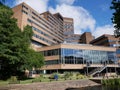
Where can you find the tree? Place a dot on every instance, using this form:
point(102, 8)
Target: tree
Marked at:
point(116, 16)
point(16, 55)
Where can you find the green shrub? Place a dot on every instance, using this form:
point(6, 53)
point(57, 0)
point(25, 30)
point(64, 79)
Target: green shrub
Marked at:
point(80, 76)
point(13, 79)
point(111, 81)
point(41, 76)
point(77, 74)
point(117, 81)
point(67, 75)
point(104, 82)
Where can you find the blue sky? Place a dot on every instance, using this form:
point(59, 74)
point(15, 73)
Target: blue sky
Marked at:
point(89, 15)
point(99, 9)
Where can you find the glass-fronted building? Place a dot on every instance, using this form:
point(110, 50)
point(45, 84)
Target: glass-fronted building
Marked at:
point(77, 56)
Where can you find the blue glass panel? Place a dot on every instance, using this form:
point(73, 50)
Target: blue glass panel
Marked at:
point(77, 56)
point(118, 51)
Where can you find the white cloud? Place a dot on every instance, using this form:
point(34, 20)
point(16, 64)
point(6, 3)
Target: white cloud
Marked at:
point(82, 19)
point(107, 29)
point(70, 2)
point(39, 5)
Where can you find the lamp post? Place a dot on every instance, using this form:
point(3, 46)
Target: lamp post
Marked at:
point(87, 64)
point(87, 70)
point(105, 64)
point(115, 68)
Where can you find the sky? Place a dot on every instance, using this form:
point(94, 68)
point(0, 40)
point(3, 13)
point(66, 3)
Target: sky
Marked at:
point(89, 15)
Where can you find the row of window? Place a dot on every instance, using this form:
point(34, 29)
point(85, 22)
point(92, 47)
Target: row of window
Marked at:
point(37, 19)
point(39, 25)
point(54, 19)
point(93, 56)
point(59, 29)
point(40, 22)
point(70, 56)
point(41, 32)
point(52, 62)
point(118, 51)
point(41, 38)
point(23, 6)
point(24, 12)
point(113, 41)
point(70, 32)
point(51, 52)
point(68, 26)
point(102, 42)
point(41, 18)
point(36, 15)
point(36, 43)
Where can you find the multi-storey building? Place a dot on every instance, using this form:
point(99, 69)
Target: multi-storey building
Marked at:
point(86, 38)
point(74, 38)
point(57, 24)
point(108, 40)
point(76, 57)
point(68, 29)
point(49, 30)
point(45, 32)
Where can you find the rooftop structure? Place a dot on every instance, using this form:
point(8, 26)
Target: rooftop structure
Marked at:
point(74, 38)
point(86, 38)
point(108, 40)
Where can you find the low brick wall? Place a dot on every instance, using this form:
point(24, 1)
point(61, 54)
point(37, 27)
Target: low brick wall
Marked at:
point(53, 85)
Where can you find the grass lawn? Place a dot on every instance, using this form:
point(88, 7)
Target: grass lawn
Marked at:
point(2, 83)
point(28, 81)
point(42, 78)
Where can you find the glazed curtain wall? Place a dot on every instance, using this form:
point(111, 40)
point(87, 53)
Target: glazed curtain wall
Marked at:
point(77, 56)
point(74, 56)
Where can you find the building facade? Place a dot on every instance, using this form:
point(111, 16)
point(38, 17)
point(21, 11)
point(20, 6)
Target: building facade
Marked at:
point(57, 24)
point(74, 38)
point(65, 57)
point(52, 29)
point(108, 40)
point(86, 38)
point(45, 32)
point(68, 29)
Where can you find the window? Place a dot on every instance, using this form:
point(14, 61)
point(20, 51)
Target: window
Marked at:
point(118, 51)
point(24, 12)
point(77, 56)
point(41, 32)
point(52, 62)
point(111, 57)
point(24, 7)
point(52, 52)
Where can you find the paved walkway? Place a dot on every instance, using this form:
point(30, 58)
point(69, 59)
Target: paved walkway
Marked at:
point(51, 85)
